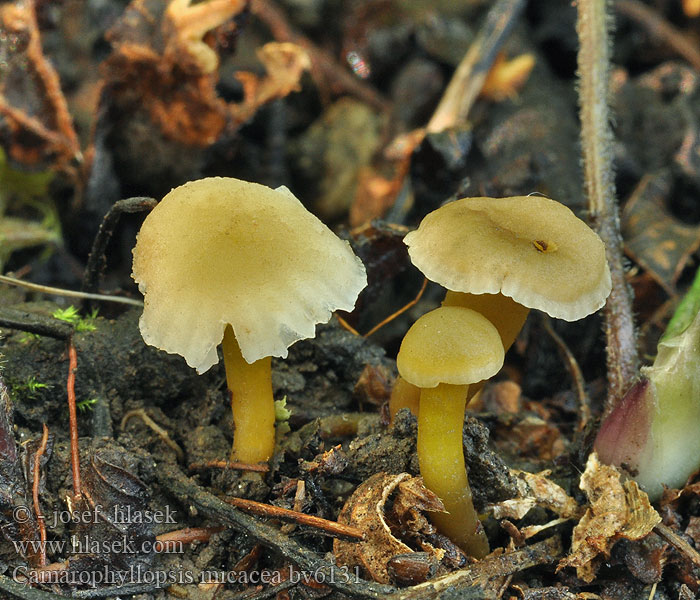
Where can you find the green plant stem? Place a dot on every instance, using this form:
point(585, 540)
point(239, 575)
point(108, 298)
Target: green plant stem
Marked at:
point(597, 143)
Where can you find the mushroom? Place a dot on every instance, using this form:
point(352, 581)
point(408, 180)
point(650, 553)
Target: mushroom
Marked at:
point(504, 256)
point(223, 259)
point(442, 353)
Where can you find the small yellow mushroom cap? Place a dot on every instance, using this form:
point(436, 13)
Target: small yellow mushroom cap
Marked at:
point(221, 251)
point(452, 345)
point(530, 248)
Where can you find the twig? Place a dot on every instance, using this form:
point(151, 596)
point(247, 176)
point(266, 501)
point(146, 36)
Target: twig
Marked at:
point(683, 547)
point(35, 495)
point(574, 371)
point(331, 528)
point(168, 542)
point(660, 28)
point(224, 464)
point(97, 259)
point(345, 325)
point(401, 310)
point(325, 69)
point(73, 418)
point(46, 289)
point(33, 323)
point(597, 143)
point(162, 433)
point(481, 572)
point(468, 79)
point(388, 319)
point(174, 481)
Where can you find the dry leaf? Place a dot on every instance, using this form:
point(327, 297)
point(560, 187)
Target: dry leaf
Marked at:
point(374, 385)
point(285, 63)
point(507, 77)
point(617, 510)
point(655, 239)
point(534, 489)
point(159, 64)
point(365, 510)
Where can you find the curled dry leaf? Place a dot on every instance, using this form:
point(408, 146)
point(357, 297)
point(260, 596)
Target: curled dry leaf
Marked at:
point(534, 489)
point(285, 63)
point(617, 510)
point(160, 64)
point(365, 509)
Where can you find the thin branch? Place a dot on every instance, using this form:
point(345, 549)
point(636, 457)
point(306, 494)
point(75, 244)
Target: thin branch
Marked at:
point(174, 482)
point(169, 542)
point(224, 464)
point(584, 415)
point(157, 429)
point(35, 495)
point(73, 418)
point(597, 143)
point(683, 547)
point(33, 323)
point(46, 289)
point(468, 79)
point(331, 528)
point(401, 310)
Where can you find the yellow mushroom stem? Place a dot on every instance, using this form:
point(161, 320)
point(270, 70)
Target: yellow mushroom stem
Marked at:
point(252, 403)
point(441, 458)
point(403, 395)
point(506, 315)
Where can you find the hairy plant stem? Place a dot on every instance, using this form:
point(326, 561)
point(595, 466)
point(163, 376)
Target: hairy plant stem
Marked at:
point(597, 144)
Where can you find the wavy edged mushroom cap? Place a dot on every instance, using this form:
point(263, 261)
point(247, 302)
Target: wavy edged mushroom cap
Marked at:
point(530, 248)
point(221, 251)
point(451, 345)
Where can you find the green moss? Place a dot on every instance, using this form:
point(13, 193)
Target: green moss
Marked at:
point(72, 316)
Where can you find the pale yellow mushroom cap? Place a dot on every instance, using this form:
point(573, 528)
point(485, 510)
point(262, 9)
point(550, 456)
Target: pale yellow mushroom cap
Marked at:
point(532, 249)
point(221, 251)
point(452, 345)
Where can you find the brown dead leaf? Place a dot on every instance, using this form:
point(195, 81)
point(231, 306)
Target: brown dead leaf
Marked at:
point(284, 63)
point(535, 436)
point(374, 385)
point(653, 237)
point(374, 196)
point(617, 510)
point(411, 501)
point(365, 510)
point(159, 65)
point(534, 489)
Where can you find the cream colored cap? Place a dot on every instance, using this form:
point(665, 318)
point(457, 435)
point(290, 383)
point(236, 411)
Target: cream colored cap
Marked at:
point(532, 249)
point(452, 345)
point(221, 251)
